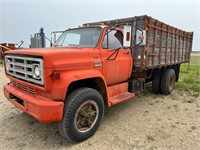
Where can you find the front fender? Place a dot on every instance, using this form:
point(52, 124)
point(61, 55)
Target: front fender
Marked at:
point(60, 86)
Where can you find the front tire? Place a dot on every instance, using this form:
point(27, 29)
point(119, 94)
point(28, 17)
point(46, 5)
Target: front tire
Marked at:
point(83, 112)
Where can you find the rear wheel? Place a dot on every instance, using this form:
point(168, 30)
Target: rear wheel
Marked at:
point(168, 81)
point(83, 112)
point(156, 82)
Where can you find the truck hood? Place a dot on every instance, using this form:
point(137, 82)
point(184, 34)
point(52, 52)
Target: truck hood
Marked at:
point(58, 57)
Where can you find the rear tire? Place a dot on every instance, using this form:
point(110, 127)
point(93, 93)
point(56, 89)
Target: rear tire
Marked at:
point(156, 83)
point(83, 112)
point(168, 81)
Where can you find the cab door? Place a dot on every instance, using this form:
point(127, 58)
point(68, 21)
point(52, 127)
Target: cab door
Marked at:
point(117, 61)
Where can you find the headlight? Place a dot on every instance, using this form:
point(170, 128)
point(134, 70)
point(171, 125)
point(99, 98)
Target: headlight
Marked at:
point(7, 64)
point(36, 71)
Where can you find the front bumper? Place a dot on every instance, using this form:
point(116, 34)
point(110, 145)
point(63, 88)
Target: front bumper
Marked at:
point(43, 109)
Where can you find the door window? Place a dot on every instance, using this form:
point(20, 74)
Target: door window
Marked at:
point(113, 39)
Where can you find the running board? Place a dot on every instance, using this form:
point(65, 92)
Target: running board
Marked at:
point(120, 98)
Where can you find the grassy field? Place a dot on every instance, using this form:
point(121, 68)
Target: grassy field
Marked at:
point(190, 78)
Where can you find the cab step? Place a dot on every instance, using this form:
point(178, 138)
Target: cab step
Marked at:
point(120, 98)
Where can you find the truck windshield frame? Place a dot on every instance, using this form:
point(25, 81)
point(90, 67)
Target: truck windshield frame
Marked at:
point(80, 37)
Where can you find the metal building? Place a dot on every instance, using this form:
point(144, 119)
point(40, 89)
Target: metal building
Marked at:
point(38, 40)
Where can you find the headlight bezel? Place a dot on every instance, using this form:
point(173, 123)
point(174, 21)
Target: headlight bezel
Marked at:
point(7, 65)
point(36, 71)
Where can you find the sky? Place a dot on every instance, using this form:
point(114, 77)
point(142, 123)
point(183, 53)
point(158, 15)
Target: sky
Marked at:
point(19, 19)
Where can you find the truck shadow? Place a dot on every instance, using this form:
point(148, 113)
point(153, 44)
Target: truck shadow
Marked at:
point(140, 99)
point(22, 128)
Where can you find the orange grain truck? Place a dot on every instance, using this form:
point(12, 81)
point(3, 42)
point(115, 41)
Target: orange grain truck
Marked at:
point(99, 64)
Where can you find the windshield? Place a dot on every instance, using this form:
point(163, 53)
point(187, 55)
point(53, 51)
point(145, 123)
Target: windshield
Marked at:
point(83, 37)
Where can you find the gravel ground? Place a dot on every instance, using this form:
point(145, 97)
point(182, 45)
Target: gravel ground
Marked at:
point(148, 121)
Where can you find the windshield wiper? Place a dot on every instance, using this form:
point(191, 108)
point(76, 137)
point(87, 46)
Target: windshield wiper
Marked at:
point(66, 45)
point(116, 51)
point(56, 45)
point(73, 45)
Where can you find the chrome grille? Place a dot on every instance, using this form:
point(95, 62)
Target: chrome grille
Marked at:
point(22, 67)
point(24, 88)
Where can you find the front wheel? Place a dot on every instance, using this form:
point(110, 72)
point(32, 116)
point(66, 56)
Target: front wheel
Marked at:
point(83, 112)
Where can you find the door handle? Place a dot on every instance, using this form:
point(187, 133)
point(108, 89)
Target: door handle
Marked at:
point(126, 53)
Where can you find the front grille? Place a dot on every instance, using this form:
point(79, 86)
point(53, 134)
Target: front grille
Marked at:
point(24, 88)
point(22, 67)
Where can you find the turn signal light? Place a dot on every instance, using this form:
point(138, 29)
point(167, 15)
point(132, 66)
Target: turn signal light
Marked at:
point(56, 75)
point(102, 23)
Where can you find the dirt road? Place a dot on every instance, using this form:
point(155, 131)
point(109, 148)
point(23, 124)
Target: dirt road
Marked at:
point(147, 122)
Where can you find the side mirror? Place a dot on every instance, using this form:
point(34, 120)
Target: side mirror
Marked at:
point(127, 36)
point(141, 37)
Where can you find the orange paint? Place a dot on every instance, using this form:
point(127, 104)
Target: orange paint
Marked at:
point(41, 108)
point(118, 70)
point(117, 89)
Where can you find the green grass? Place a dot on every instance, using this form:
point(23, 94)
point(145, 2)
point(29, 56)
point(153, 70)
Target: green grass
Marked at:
point(150, 138)
point(189, 79)
point(193, 127)
point(1, 62)
point(31, 123)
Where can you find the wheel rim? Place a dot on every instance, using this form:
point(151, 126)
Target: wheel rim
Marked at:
point(86, 116)
point(171, 82)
